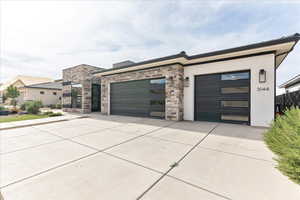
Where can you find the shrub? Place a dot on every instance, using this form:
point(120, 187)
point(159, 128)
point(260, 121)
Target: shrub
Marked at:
point(2, 108)
point(33, 107)
point(52, 106)
point(283, 138)
point(58, 106)
point(47, 113)
point(55, 114)
point(23, 106)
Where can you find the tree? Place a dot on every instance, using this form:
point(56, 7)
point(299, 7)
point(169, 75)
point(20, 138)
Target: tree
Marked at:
point(12, 92)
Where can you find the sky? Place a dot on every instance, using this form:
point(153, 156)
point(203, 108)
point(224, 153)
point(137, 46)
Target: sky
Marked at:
point(40, 38)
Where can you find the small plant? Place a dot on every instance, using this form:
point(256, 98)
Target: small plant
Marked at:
point(55, 114)
point(283, 138)
point(58, 106)
point(23, 106)
point(2, 108)
point(52, 106)
point(47, 113)
point(33, 107)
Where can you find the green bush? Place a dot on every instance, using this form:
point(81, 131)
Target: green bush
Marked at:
point(23, 106)
point(283, 138)
point(33, 107)
point(2, 108)
point(47, 113)
point(58, 106)
point(55, 114)
point(52, 106)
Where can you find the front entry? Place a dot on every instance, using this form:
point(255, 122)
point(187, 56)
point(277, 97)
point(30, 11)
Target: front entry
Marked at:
point(96, 97)
point(223, 97)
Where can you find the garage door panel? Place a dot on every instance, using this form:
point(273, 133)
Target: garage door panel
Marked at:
point(223, 100)
point(209, 116)
point(143, 98)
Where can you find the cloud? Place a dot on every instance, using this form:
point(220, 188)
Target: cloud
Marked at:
point(43, 37)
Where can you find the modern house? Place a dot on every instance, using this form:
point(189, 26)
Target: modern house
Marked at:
point(235, 85)
point(36, 88)
point(292, 85)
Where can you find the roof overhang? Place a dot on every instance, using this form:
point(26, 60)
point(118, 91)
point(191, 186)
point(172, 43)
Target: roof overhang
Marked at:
point(279, 47)
point(295, 80)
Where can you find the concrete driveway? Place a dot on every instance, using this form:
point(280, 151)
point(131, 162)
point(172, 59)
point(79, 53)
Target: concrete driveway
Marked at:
point(136, 158)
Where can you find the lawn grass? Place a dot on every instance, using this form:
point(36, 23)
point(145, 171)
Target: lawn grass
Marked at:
point(21, 118)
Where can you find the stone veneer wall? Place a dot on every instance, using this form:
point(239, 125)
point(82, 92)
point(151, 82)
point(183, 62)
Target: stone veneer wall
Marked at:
point(79, 74)
point(174, 87)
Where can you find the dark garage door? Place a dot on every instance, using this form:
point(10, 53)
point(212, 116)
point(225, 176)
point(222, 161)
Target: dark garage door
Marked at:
point(223, 97)
point(144, 98)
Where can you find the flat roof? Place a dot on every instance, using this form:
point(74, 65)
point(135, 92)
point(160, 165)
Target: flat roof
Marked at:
point(182, 58)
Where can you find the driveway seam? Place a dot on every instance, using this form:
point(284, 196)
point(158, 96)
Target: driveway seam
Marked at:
point(176, 163)
point(32, 147)
point(236, 154)
point(167, 140)
point(199, 187)
point(80, 158)
point(50, 169)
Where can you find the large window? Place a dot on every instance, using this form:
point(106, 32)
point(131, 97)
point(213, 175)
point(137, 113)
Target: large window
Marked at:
point(235, 76)
point(234, 90)
point(76, 95)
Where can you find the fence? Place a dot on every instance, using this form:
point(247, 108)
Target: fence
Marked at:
point(287, 100)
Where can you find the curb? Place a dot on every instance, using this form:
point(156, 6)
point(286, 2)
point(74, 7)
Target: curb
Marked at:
point(42, 123)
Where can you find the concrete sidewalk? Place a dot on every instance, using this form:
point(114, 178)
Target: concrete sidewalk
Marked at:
point(113, 157)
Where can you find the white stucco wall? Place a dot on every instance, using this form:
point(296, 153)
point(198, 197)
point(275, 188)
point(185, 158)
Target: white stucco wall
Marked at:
point(262, 102)
point(47, 98)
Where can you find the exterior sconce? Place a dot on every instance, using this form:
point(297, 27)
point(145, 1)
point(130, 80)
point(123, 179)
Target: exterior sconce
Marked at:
point(186, 82)
point(262, 76)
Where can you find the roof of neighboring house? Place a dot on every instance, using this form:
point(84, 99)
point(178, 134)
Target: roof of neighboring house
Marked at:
point(26, 80)
point(280, 47)
point(291, 82)
point(49, 85)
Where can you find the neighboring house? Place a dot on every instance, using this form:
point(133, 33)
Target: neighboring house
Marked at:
point(291, 85)
point(35, 88)
point(49, 93)
point(235, 85)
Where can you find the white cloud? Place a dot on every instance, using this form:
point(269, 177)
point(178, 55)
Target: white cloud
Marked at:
point(43, 37)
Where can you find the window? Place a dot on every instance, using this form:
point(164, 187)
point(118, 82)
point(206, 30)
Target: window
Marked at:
point(235, 117)
point(42, 92)
point(158, 81)
point(54, 93)
point(235, 76)
point(233, 90)
point(241, 104)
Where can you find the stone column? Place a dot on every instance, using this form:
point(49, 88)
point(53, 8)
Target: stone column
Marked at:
point(174, 93)
point(86, 96)
point(104, 95)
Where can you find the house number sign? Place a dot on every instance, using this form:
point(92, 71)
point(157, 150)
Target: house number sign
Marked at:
point(263, 89)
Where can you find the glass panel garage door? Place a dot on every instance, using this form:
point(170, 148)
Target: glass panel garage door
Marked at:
point(223, 97)
point(143, 98)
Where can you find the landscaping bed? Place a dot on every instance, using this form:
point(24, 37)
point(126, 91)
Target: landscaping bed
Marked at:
point(283, 138)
